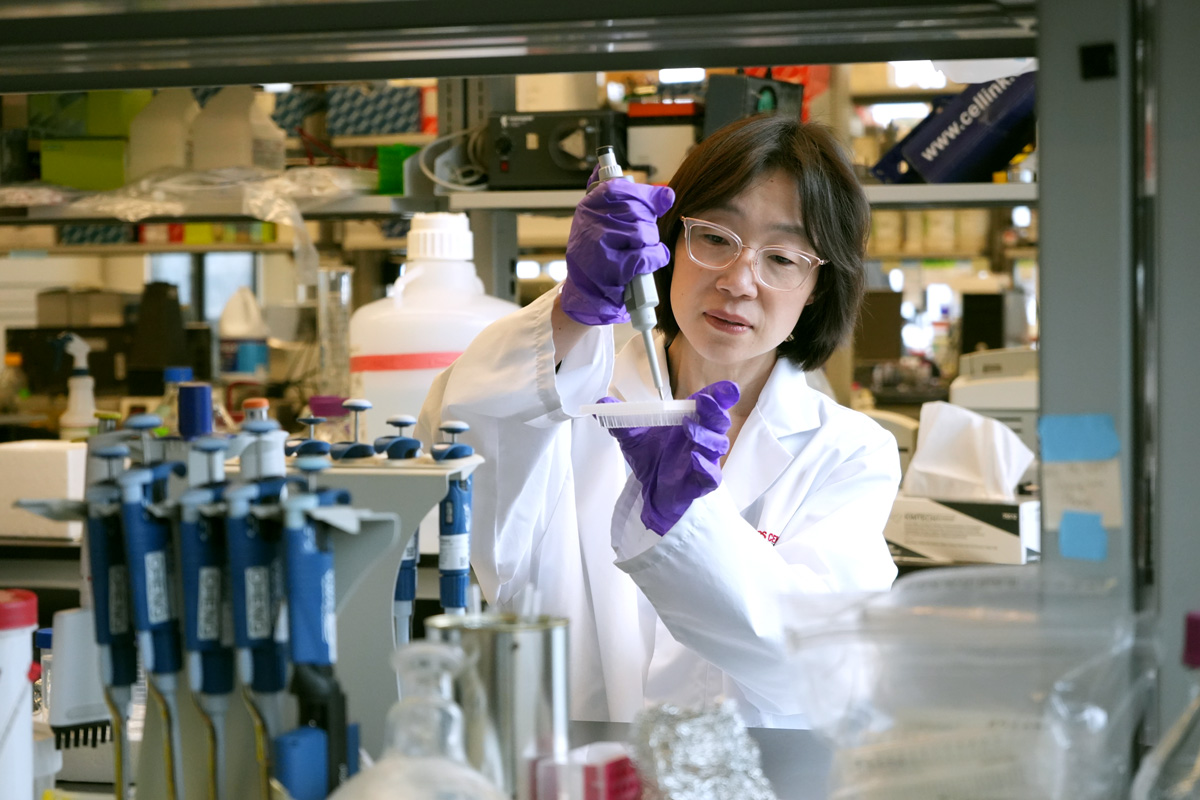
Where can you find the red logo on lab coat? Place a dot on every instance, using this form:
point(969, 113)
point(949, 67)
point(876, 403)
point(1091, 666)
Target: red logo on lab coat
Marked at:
point(770, 537)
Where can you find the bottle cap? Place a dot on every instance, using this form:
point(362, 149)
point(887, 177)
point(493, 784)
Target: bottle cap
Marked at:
point(256, 402)
point(18, 609)
point(1191, 640)
point(440, 236)
point(177, 374)
point(195, 410)
point(43, 639)
point(13, 359)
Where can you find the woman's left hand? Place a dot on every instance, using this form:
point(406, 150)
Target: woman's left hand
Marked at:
point(680, 463)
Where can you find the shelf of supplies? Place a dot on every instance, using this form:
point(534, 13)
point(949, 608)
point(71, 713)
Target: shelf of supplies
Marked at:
point(951, 194)
point(930, 255)
point(140, 249)
point(347, 207)
point(375, 140)
point(911, 194)
point(518, 200)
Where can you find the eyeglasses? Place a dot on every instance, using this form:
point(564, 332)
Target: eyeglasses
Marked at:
point(714, 247)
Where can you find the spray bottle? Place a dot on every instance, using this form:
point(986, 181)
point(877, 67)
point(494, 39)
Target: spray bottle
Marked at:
point(79, 420)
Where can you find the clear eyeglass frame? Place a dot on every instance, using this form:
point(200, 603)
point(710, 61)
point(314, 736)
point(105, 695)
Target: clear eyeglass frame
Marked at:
point(813, 261)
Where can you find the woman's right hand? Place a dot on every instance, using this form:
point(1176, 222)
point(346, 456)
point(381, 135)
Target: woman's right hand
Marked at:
point(614, 236)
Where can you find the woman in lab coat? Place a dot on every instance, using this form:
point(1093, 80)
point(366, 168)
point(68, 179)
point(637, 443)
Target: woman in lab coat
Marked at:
point(672, 550)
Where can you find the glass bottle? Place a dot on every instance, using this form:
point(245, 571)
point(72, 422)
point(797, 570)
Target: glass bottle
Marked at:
point(1171, 770)
point(424, 757)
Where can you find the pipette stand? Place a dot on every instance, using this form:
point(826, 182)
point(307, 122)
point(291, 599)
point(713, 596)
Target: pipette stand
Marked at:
point(368, 548)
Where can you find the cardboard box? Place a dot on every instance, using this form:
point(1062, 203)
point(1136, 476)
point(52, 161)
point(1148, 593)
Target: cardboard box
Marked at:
point(924, 531)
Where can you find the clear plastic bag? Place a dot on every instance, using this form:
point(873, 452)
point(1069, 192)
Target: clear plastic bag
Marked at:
point(981, 683)
point(259, 193)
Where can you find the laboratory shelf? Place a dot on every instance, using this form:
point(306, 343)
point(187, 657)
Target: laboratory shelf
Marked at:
point(517, 200)
point(346, 207)
point(70, 46)
point(951, 194)
point(880, 195)
point(136, 249)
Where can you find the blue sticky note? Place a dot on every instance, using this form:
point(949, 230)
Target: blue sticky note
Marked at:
point(1078, 437)
point(1081, 536)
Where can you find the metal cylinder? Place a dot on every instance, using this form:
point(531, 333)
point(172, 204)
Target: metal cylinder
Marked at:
point(513, 691)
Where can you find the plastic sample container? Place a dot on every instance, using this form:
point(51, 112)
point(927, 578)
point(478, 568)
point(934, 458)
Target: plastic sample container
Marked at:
point(18, 619)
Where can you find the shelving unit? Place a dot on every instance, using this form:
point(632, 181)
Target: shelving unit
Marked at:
point(345, 207)
point(139, 249)
point(906, 195)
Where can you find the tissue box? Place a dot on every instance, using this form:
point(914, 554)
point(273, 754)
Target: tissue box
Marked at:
point(40, 469)
point(924, 531)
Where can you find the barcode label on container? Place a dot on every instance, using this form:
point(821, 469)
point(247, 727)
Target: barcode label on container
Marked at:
point(158, 603)
point(208, 605)
point(258, 602)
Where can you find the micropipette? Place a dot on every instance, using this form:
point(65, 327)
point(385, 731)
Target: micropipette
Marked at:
point(641, 295)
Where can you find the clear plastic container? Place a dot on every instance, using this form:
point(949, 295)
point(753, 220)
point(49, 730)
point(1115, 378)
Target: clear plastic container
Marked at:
point(1171, 770)
point(977, 683)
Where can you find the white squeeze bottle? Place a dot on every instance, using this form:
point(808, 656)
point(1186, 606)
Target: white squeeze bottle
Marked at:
point(242, 335)
point(232, 130)
point(159, 136)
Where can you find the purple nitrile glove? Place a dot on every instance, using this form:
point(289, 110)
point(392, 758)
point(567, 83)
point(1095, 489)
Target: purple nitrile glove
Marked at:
point(679, 464)
point(614, 236)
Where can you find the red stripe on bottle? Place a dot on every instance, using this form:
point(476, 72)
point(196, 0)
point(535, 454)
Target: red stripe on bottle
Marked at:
point(401, 361)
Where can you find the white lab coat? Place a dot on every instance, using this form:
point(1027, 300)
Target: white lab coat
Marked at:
point(693, 615)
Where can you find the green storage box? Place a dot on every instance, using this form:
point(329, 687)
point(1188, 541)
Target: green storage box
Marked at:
point(390, 162)
point(90, 164)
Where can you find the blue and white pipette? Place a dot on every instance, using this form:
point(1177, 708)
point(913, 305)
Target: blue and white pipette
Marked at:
point(110, 604)
point(312, 622)
point(454, 524)
point(148, 551)
point(204, 560)
point(253, 535)
point(401, 447)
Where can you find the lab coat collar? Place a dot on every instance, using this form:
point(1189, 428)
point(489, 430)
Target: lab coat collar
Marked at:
point(787, 405)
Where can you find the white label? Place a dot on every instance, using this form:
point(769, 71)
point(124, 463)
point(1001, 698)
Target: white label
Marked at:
point(158, 603)
point(1090, 486)
point(329, 611)
point(410, 550)
point(118, 602)
point(258, 602)
point(454, 552)
point(208, 605)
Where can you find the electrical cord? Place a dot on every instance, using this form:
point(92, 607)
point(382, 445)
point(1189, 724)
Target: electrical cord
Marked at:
point(474, 170)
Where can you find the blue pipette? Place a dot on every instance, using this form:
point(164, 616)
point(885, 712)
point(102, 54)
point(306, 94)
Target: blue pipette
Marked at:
point(454, 524)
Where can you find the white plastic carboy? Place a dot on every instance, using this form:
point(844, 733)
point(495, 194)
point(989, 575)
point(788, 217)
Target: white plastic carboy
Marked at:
point(399, 344)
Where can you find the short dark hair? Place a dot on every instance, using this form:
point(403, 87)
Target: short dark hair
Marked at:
point(837, 218)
